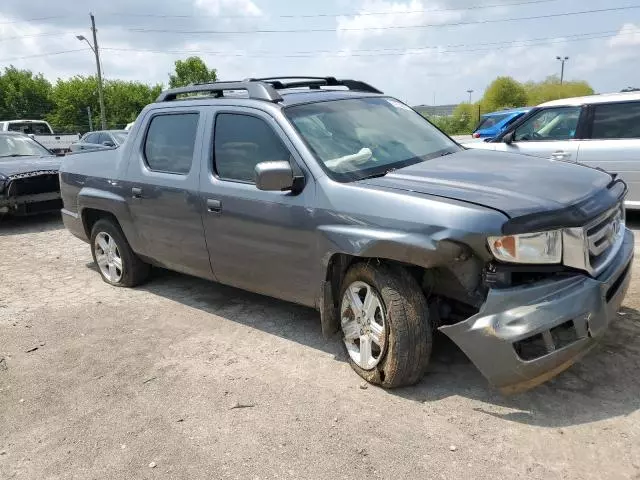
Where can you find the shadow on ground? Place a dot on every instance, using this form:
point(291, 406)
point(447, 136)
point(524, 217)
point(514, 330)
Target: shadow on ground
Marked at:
point(603, 385)
point(32, 224)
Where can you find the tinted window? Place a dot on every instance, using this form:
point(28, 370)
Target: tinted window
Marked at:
point(550, 124)
point(170, 142)
point(31, 128)
point(91, 138)
point(616, 120)
point(241, 142)
point(103, 137)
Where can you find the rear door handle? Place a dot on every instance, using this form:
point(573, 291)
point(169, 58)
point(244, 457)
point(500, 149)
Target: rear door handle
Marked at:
point(214, 206)
point(136, 192)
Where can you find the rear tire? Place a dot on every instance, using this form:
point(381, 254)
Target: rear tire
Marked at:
point(394, 315)
point(117, 262)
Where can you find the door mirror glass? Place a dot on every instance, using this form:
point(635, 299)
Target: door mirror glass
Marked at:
point(274, 176)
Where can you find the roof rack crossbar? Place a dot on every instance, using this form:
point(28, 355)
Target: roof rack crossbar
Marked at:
point(264, 88)
point(255, 90)
point(315, 82)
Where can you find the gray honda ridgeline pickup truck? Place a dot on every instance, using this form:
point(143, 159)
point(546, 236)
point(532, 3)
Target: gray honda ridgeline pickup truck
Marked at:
point(328, 193)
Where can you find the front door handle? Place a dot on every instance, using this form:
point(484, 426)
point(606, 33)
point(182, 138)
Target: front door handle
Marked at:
point(136, 192)
point(214, 206)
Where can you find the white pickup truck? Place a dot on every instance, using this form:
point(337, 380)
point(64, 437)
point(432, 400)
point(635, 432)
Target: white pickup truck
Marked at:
point(41, 132)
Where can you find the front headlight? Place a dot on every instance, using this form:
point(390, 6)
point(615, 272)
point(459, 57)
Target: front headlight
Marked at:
point(541, 247)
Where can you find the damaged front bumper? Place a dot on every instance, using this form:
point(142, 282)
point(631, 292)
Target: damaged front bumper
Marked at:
point(526, 335)
point(30, 193)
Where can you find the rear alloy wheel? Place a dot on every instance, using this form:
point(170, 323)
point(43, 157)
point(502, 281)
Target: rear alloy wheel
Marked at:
point(385, 324)
point(108, 257)
point(117, 262)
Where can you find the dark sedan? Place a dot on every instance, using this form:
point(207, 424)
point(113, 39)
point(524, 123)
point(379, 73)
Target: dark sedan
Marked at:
point(99, 140)
point(28, 176)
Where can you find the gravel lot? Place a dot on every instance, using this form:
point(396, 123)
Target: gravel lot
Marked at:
point(99, 382)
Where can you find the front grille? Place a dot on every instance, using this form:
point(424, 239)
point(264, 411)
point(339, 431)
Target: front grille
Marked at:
point(34, 185)
point(603, 237)
point(593, 247)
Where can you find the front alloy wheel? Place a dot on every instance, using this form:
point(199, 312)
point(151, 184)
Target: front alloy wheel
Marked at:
point(385, 324)
point(363, 324)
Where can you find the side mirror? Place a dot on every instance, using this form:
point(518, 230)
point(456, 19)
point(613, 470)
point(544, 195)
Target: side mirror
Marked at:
point(108, 144)
point(508, 138)
point(274, 176)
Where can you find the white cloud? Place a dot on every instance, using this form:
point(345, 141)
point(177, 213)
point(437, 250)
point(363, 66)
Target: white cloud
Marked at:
point(629, 35)
point(229, 7)
point(366, 25)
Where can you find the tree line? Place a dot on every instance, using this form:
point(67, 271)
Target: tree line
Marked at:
point(505, 92)
point(68, 104)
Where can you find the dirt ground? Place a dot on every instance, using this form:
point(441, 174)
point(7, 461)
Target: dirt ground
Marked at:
point(106, 383)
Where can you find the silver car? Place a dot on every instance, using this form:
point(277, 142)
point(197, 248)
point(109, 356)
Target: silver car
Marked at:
point(99, 140)
point(599, 130)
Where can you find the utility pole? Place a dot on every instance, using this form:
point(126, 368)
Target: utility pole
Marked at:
point(469, 92)
point(562, 60)
point(90, 122)
point(103, 115)
point(96, 52)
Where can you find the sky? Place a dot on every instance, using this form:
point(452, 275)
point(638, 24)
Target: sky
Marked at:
point(420, 51)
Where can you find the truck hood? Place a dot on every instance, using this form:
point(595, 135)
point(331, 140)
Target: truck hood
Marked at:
point(17, 165)
point(510, 183)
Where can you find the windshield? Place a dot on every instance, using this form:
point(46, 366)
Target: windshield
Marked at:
point(358, 138)
point(19, 146)
point(490, 121)
point(120, 137)
point(32, 128)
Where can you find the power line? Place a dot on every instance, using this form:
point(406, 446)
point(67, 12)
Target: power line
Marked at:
point(334, 15)
point(396, 51)
point(392, 27)
point(42, 55)
point(32, 35)
point(27, 20)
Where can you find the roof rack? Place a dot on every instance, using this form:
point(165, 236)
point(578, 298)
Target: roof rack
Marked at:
point(256, 90)
point(265, 88)
point(316, 83)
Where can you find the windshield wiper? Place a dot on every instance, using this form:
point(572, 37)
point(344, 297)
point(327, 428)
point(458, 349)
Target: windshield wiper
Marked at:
point(16, 155)
point(377, 175)
point(444, 154)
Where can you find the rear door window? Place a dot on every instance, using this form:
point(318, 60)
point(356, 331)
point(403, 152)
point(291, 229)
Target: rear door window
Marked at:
point(170, 142)
point(616, 121)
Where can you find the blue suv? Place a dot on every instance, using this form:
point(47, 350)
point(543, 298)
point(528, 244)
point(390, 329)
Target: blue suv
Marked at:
point(491, 124)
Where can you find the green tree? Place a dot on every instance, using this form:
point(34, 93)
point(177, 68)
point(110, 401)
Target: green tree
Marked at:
point(551, 89)
point(23, 95)
point(123, 102)
point(503, 92)
point(190, 71)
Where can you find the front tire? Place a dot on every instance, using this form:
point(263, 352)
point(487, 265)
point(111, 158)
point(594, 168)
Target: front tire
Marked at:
point(385, 324)
point(117, 262)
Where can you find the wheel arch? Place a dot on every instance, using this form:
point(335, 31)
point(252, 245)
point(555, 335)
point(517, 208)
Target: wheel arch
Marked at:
point(94, 204)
